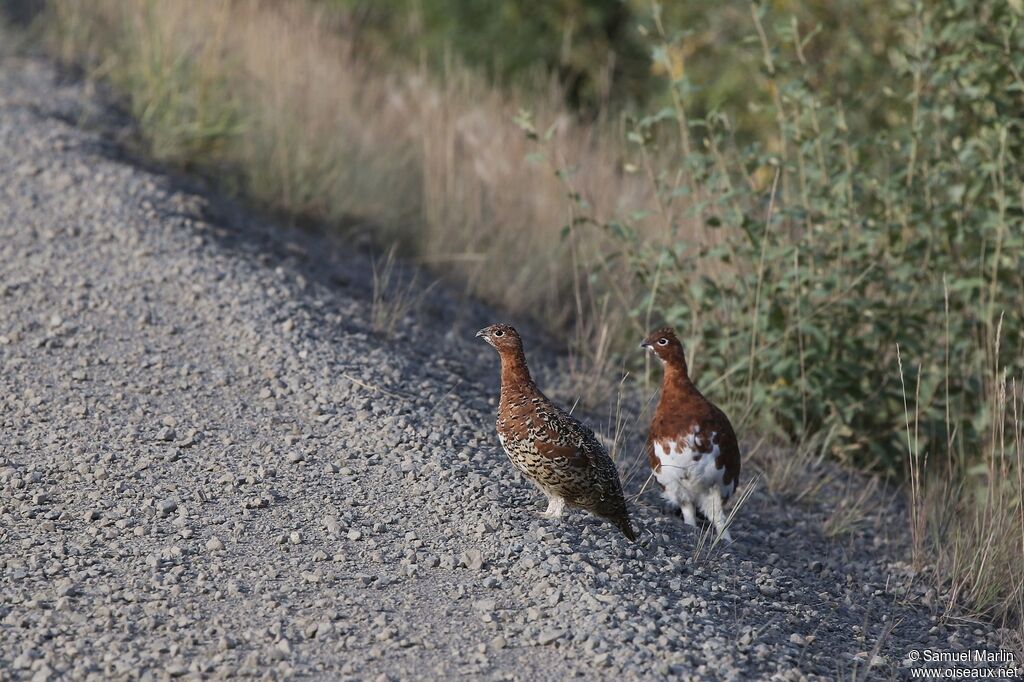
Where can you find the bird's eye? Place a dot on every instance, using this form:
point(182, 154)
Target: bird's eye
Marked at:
point(662, 342)
point(499, 333)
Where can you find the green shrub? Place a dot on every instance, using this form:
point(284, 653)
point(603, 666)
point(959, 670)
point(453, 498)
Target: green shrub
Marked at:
point(827, 248)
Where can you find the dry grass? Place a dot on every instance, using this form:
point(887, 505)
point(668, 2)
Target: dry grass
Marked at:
point(801, 474)
point(394, 297)
point(272, 96)
point(980, 539)
point(793, 472)
point(967, 512)
point(857, 506)
point(708, 538)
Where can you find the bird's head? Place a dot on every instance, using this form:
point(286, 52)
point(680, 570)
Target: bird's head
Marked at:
point(664, 345)
point(503, 337)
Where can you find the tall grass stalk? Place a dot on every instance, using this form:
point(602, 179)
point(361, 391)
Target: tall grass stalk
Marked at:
point(967, 519)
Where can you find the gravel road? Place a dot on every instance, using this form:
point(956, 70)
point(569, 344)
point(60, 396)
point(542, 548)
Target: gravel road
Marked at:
point(210, 466)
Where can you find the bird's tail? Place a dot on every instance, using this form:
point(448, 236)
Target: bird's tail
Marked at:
point(616, 513)
point(626, 527)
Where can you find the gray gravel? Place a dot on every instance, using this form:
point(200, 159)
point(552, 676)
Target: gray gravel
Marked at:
point(210, 466)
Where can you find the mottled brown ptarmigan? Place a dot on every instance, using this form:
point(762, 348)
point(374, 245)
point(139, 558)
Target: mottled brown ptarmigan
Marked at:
point(556, 452)
point(691, 446)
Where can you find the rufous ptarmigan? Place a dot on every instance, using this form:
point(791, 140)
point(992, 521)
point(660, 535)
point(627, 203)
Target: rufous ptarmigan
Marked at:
point(691, 446)
point(556, 452)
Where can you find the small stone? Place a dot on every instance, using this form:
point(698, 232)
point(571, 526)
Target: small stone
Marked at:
point(166, 506)
point(548, 636)
point(214, 544)
point(261, 502)
point(295, 537)
point(485, 605)
point(354, 534)
point(472, 559)
point(296, 457)
point(165, 434)
point(66, 588)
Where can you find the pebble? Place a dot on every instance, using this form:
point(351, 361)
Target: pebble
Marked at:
point(548, 636)
point(472, 559)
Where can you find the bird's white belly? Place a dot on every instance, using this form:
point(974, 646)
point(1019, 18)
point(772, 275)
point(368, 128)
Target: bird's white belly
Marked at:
point(684, 475)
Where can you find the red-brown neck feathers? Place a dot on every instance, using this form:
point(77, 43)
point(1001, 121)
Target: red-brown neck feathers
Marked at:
point(514, 371)
point(676, 388)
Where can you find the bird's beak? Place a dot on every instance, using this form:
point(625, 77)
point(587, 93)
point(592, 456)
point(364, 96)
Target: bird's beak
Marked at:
point(482, 332)
point(645, 345)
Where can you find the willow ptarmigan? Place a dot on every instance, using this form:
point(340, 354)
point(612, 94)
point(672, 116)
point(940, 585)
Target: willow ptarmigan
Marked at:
point(557, 453)
point(691, 445)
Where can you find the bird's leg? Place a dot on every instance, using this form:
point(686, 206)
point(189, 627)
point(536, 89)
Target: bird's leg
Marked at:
point(556, 505)
point(711, 506)
point(689, 513)
point(672, 507)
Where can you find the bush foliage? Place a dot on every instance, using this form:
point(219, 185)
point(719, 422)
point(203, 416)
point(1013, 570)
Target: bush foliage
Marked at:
point(828, 247)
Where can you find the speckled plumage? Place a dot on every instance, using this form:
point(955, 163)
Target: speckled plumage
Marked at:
point(556, 452)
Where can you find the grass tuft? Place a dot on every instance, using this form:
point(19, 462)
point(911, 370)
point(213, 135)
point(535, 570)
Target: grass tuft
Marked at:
point(394, 298)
